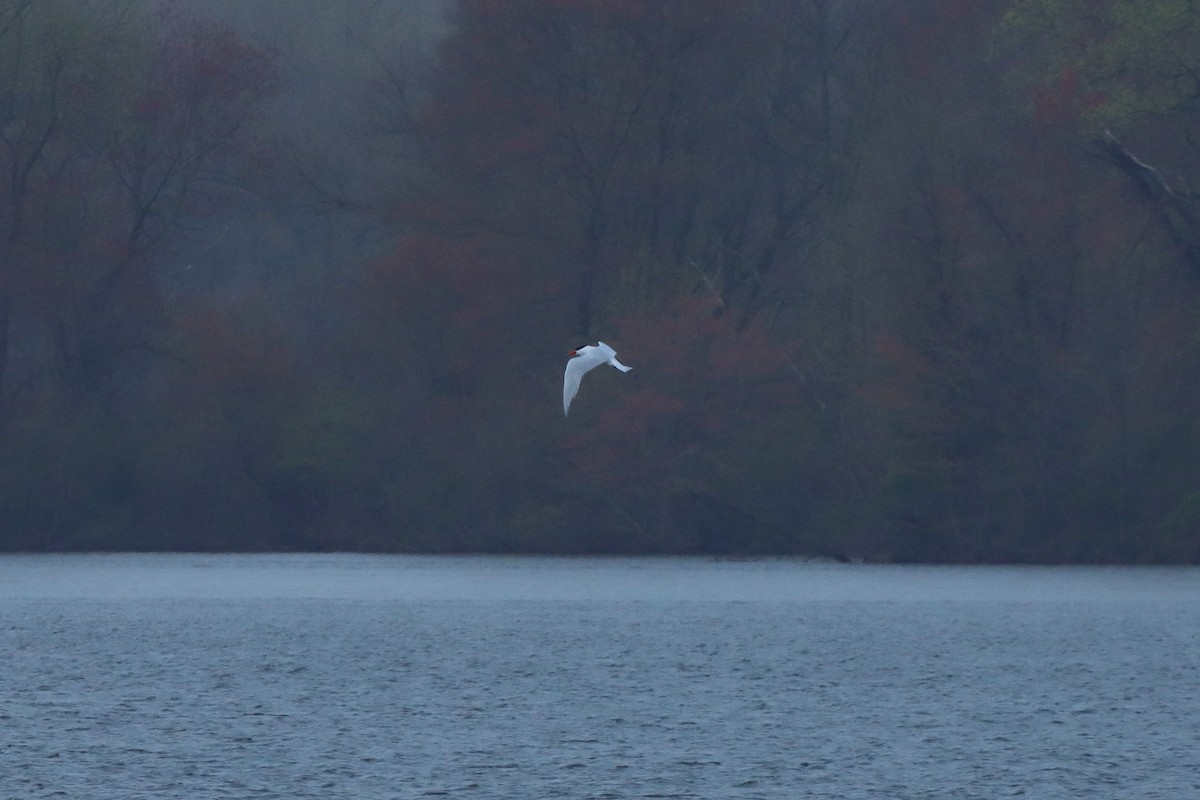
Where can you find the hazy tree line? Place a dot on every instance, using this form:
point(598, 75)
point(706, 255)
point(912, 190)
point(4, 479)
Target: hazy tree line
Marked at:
point(898, 281)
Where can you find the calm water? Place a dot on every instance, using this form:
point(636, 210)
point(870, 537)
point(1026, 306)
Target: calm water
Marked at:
point(396, 677)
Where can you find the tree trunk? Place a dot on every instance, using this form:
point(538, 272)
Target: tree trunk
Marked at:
point(1176, 213)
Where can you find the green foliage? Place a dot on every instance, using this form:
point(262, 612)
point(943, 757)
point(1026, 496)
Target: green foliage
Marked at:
point(1110, 62)
point(326, 440)
point(67, 481)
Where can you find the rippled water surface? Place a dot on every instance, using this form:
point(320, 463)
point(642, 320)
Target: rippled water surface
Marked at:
point(396, 677)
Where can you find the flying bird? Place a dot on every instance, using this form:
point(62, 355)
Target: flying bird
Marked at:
point(584, 360)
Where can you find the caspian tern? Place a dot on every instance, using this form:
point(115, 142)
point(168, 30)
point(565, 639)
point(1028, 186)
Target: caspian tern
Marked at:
point(584, 360)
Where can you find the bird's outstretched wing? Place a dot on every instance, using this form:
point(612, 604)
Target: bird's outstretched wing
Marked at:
point(609, 356)
point(576, 367)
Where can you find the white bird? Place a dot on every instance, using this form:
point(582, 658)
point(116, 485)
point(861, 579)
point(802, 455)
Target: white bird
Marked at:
point(584, 360)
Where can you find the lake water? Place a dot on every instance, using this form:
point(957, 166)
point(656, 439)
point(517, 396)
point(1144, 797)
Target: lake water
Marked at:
point(136, 676)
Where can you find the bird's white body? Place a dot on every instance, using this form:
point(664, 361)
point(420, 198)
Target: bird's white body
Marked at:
point(582, 361)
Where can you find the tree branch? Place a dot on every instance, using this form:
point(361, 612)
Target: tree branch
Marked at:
point(1176, 212)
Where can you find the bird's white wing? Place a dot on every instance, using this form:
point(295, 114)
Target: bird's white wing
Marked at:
point(609, 356)
point(576, 367)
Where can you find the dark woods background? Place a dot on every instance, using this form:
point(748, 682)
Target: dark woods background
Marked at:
point(899, 280)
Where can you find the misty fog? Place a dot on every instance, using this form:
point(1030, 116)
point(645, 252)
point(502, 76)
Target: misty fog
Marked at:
point(900, 282)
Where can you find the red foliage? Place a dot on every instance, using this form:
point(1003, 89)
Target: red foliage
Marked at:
point(932, 30)
point(205, 77)
point(464, 312)
point(225, 353)
point(899, 388)
point(466, 280)
point(526, 80)
point(636, 415)
point(900, 355)
point(691, 338)
point(699, 381)
point(1065, 102)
